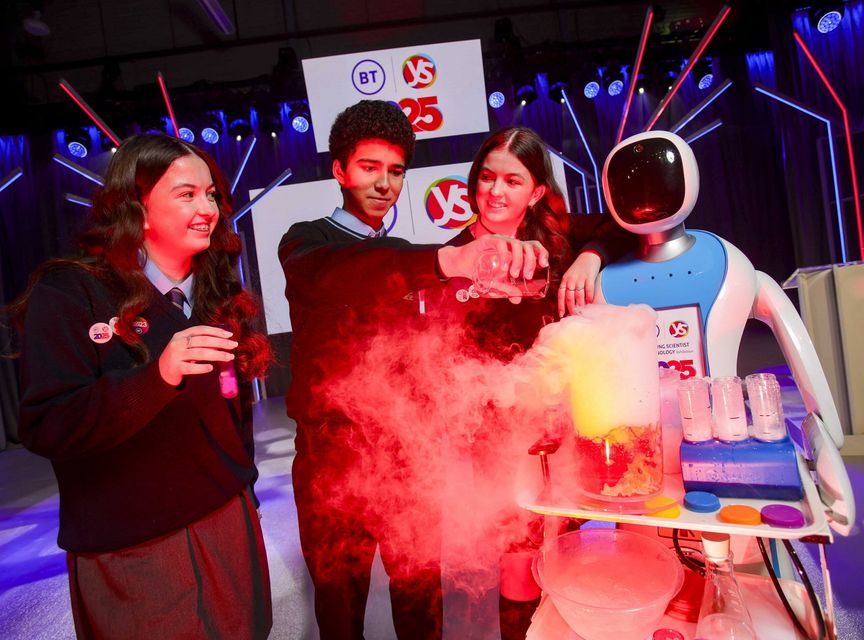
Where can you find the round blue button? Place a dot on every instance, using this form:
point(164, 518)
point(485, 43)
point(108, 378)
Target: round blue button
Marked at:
point(701, 501)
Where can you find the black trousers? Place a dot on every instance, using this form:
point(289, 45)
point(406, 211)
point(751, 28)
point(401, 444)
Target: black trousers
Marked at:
point(344, 511)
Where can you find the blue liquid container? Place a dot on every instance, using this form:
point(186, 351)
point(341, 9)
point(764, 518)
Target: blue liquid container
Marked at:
point(744, 469)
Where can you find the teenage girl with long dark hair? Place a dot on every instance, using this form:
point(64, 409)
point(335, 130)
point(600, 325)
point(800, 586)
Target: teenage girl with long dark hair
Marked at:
point(122, 349)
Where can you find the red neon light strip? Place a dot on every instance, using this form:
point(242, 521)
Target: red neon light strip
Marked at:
point(634, 74)
point(86, 108)
point(165, 97)
point(709, 35)
point(824, 78)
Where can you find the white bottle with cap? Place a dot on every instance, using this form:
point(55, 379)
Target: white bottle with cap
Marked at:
point(723, 615)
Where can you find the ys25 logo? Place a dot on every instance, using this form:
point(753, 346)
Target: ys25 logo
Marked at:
point(447, 205)
point(420, 72)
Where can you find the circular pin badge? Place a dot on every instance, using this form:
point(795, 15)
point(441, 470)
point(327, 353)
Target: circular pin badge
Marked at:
point(113, 323)
point(462, 295)
point(472, 291)
point(140, 326)
point(100, 333)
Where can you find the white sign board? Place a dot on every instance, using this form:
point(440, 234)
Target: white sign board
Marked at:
point(440, 87)
point(679, 341)
point(432, 208)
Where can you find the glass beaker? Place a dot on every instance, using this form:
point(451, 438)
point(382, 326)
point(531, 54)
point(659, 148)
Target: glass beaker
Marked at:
point(491, 280)
point(616, 404)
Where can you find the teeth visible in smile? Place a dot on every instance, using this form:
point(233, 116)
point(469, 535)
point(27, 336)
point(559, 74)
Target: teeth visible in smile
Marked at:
point(200, 227)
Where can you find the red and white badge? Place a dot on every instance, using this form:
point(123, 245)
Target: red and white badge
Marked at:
point(100, 333)
point(139, 325)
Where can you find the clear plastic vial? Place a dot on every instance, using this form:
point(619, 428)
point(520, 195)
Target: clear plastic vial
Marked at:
point(766, 407)
point(730, 419)
point(695, 408)
point(722, 615)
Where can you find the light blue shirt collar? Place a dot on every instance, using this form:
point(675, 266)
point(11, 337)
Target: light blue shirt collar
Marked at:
point(352, 224)
point(164, 284)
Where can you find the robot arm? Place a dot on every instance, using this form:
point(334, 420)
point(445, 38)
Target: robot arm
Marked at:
point(774, 308)
point(821, 427)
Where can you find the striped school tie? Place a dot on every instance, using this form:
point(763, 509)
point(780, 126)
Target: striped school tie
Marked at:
point(177, 297)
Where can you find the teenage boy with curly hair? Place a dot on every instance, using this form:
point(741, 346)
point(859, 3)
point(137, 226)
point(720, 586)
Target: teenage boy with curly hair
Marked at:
point(344, 281)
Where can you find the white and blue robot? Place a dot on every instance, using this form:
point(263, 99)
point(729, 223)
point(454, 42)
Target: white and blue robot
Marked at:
point(704, 289)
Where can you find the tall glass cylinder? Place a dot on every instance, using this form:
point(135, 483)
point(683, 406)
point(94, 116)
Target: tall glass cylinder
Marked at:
point(615, 399)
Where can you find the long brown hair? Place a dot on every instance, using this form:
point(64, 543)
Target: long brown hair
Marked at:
point(548, 220)
point(111, 247)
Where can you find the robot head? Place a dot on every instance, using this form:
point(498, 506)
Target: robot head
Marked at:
point(651, 181)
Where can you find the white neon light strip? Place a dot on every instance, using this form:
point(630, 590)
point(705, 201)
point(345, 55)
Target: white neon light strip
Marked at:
point(587, 149)
point(242, 167)
point(81, 171)
point(779, 97)
point(71, 197)
point(582, 174)
point(246, 208)
point(708, 128)
point(699, 108)
point(16, 173)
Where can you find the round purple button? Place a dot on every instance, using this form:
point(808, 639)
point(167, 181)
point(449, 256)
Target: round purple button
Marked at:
point(782, 515)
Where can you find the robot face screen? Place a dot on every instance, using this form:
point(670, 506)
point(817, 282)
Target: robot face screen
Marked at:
point(646, 181)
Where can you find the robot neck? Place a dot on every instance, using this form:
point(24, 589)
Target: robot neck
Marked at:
point(664, 245)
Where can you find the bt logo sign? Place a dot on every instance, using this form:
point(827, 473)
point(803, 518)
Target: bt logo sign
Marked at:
point(447, 205)
point(419, 71)
point(368, 77)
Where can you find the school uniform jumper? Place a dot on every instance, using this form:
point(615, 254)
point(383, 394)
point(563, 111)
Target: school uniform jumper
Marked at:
point(155, 512)
point(341, 287)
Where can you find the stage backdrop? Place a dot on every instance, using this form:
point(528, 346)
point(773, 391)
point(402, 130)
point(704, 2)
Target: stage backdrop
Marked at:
point(432, 208)
point(440, 87)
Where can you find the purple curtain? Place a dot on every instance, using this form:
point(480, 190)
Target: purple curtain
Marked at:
point(765, 172)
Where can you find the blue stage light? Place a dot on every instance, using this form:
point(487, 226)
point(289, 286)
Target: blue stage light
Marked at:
point(496, 99)
point(557, 90)
point(300, 124)
point(615, 87)
point(591, 89)
point(209, 135)
point(826, 18)
point(239, 128)
point(705, 81)
point(187, 134)
point(526, 94)
point(703, 74)
point(76, 149)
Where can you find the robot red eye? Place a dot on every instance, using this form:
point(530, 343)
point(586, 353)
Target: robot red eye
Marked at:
point(649, 214)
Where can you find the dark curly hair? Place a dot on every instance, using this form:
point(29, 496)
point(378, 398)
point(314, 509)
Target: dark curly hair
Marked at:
point(370, 119)
point(111, 246)
point(548, 220)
